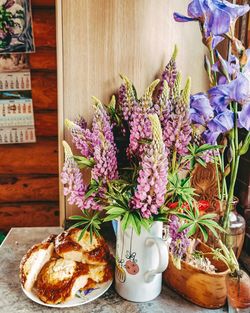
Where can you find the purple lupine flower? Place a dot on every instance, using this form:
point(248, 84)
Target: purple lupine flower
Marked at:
point(215, 17)
point(140, 128)
point(152, 180)
point(237, 90)
point(201, 111)
point(72, 179)
point(82, 138)
point(104, 146)
point(180, 242)
point(169, 75)
point(139, 124)
point(221, 123)
point(80, 121)
point(177, 127)
point(177, 134)
point(127, 98)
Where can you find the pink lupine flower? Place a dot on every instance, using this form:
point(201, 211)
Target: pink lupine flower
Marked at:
point(177, 134)
point(169, 75)
point(152, 180)
point(104, 146)
point(127, 98)
point(71, 177)
point(140, 126)
point(81, 137)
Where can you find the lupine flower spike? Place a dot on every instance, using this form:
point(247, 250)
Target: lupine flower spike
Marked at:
point(152, 180)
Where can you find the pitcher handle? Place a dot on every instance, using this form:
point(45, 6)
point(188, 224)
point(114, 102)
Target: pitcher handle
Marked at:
point(163, 257)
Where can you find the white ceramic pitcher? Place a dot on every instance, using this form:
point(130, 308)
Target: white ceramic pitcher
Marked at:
point(140, 261)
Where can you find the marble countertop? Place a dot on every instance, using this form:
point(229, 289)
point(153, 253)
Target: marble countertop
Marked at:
point(12, 299)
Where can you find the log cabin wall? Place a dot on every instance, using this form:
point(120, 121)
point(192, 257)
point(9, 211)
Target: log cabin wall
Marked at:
point(29, 172)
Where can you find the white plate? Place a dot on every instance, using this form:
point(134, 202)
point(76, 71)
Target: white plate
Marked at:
point(90, 296)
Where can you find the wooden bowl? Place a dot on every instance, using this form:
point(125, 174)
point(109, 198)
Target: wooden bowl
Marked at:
point(204, 289)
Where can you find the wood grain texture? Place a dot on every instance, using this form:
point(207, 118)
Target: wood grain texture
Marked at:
point(44, 90)
point(27, 214)
point(44, 25)
point(43, 3)
point(207, 290)
point(24, 188)
point(104, 38)
point(46, 124)
point(33, 158)
point(43, 59)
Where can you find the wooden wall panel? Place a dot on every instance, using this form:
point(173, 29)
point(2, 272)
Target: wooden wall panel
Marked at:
point(29, 172)
point(43, 59)
point(19, 188)
point(34, 158)
point(100, 39)
point(44, 90)
point(44, 27)
point(46, 123)
point(28, 214)
point(43, 3)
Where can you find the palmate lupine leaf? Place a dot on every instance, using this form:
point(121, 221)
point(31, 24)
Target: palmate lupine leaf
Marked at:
point(193, 221)
point(90, 220)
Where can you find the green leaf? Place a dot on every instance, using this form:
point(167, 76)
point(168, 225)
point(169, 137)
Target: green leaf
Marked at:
point(209, 216)
point(84, 161)
point(76, 217)
point(192, 230)
point(110, 218)
point(135, 224)
point(206, 147)
point(78, 224)
point(116, 211)
point(184, 226)
point(201, 162)
point(184, 216)
point(82, 232)
point(204, 232)
point(90, 192)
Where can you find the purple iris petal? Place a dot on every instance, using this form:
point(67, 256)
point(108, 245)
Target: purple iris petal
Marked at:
point(210, 137)
point(201, 111)
point(240, 89)
point(233, 9)
point(237, 90)
point(195, 9)
point(218, 21)
point(246, 68)
point(222, 122)
point(216, 17)
point(244, 117)
point(181, 18)
point(219, 97)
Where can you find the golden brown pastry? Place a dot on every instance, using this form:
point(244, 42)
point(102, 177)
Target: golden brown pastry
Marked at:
point(68, 247)
point(34, 260)
point(60, 279)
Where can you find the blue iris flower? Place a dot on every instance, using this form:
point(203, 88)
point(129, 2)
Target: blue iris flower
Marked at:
point(215, 17)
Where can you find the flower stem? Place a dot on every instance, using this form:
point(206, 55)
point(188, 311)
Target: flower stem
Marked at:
point(211, 52)
point(235, 166)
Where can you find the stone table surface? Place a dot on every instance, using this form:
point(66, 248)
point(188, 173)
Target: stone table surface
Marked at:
point(12, 299)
